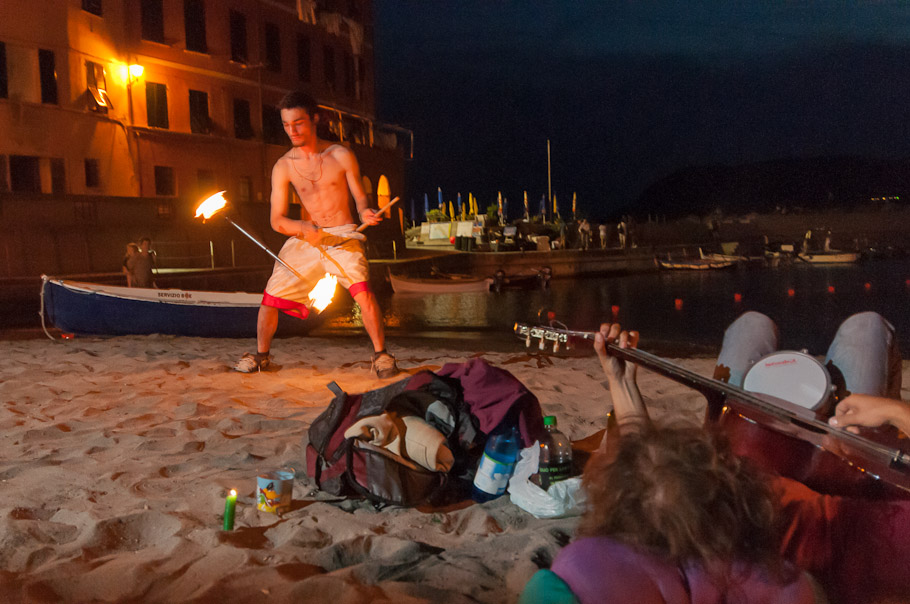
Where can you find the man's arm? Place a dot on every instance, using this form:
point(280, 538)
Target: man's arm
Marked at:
point(863, 410)
point(348, 161)
point(628, 406)
point(278, 202)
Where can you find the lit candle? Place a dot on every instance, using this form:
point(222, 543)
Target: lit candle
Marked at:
point(230, 503)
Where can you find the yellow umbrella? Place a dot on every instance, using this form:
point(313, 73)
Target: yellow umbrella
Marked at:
point(573, 205)
point(451, 211)
point(527, 212)
point(555, 207)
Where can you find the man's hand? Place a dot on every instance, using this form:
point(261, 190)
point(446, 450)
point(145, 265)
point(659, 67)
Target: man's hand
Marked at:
point(863, 410)
point(370, 216)
point(614, 368)
point(309, 232)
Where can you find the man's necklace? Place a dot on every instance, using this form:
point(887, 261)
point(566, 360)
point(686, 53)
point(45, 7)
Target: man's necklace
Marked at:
point(312, 171)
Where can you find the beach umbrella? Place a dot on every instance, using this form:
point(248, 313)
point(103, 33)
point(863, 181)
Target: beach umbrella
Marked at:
point(460, 208)
point(499, 206)
point(573, 205)
point(527, 212)
point(426, 206)
point(555, 208)
point(442, 206)
point(451, 211)
point(543, 207)
point(505, 208)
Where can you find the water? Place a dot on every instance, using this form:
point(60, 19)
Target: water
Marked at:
point(807, 319)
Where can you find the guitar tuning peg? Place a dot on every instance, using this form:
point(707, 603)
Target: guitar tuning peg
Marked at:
point(543, 343)
point(528, 341)
point(555, 346)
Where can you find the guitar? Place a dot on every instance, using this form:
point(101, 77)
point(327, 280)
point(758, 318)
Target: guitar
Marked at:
point(780, 436)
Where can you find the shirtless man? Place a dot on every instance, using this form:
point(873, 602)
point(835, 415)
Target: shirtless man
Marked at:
point(323, 174)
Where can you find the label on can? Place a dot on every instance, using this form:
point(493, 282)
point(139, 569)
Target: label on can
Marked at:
point(493, 476)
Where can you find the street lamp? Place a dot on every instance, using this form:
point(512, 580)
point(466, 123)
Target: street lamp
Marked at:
point(135, 72)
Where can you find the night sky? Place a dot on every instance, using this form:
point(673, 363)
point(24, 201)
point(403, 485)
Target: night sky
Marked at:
point(630, 92)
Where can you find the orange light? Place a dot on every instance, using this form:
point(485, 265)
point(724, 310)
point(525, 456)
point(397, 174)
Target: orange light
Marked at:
point(615, 309)
point(678, 303)
point(211, 206)
point(867, 285)
point(791, 292)
point(136, 70)
point(737, 297)
point(830, 289)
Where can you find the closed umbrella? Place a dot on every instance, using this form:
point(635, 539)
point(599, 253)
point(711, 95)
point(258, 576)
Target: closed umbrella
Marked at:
point(439, 194)
point(460, 207)
point(426, 206)
point(573, 205)
point(543, 207)
point(527, 212)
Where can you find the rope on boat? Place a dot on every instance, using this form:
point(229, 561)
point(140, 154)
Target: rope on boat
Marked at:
point(41, 310)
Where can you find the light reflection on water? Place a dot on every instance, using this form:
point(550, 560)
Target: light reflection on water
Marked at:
point(807, 319)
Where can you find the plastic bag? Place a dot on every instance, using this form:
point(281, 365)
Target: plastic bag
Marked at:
point(563, 498)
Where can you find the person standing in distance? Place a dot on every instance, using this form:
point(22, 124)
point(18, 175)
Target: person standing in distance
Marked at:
point(324, 175)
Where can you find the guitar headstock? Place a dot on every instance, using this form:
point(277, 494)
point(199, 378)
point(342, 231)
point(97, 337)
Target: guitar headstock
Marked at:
point(544, 335)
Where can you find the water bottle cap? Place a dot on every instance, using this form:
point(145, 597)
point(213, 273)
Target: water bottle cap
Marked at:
point(549, 420)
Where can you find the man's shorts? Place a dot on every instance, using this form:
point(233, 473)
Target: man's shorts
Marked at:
point(287, 292)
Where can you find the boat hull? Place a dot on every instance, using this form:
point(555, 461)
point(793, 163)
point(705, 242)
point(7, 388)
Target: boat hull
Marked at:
point(695, 265)
point(91, 309)
point(401, 285)
point(830, 257)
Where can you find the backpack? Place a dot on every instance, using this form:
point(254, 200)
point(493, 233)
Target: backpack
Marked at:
point(350, 467)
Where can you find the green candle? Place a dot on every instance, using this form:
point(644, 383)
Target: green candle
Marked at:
point(230, 503)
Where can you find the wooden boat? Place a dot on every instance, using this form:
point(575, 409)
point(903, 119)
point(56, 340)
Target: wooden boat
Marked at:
point(94, 309)
point(450, 284)
point(829, 257)
point(693, 264)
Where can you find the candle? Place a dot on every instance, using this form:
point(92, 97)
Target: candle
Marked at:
point(230, 503)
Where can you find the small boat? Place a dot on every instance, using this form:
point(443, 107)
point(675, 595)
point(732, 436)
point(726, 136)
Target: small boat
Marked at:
point(694, 264)
point(95, 309)
point(829, 257)
point(442, 285)
point(527, 279)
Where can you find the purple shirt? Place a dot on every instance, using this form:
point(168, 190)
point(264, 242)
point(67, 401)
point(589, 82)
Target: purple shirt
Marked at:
point(599, 569)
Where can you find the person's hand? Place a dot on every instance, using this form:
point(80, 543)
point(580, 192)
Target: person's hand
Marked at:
point(309, 233)
point(370, 216)
point(614, 368)
point(863, 410)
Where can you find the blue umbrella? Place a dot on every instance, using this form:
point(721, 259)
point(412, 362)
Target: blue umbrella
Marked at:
point(426, 206)
point(439, 190)
point(543, 206)
point(413, 211)
point(459, 204)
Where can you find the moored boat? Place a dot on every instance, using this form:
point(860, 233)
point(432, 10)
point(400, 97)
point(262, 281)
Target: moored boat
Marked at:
point(829, 257)
point(442, 285)
point(693, 264)
point(95, 309)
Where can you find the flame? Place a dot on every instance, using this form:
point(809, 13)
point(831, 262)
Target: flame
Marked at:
point(322, 294)
point(211, 206)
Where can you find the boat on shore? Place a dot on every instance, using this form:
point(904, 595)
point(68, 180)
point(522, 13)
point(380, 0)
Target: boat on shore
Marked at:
point(829, 257)
point(693, 264)
point(96, 309)
point(449, 284)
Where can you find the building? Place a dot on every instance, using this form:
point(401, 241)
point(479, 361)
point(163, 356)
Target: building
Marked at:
point(118, 116)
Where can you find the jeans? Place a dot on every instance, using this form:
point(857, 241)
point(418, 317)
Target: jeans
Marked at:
point(863, 357)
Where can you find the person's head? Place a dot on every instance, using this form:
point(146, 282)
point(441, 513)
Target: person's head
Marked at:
point(145, 244)
point(299, 117)
point(683, 495)
point(132, 249)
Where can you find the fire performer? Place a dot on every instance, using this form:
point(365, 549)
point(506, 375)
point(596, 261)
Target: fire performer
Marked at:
point(323, 174)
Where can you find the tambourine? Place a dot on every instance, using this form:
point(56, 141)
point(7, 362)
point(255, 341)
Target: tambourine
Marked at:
point(792, 376)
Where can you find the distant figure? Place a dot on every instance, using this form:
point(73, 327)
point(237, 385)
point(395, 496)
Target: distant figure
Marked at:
point(806, 240)
point(827, 245)
point(584, 233)
point(602, 229)
point(142, 265)
point(621, 230)
point(132, 250)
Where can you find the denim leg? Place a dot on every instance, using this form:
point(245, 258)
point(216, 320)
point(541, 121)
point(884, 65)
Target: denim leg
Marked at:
point(750, 337)
point(865, 354)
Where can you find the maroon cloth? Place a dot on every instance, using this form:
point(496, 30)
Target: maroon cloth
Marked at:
point(858, 549)
point(599, 569)
point(492, 393)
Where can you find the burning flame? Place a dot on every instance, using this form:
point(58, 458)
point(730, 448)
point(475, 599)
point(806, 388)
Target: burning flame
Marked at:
point(321, 296)
point(211, 206)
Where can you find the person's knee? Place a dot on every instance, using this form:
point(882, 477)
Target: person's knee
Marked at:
point(752, 320)
point(865, 323)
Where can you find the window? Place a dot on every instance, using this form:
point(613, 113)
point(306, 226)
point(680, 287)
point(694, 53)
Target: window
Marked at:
point(328, 68)
point(242, 126)
point(164, 209)
point(272, 129)
point(199, 112)
point(92, 6)
point(156, 104)
point(303, 58)
point(58, 175)
point(4, 87)
point(245, 190)
point(25, 174)
point(92, 175)
point(238, 37)
point(272, 47)
point(152, 17)
point(350, 76)
point(97, 87)
point(194, 25)
point(164, 181)
point(205, 180)
point(48, 70)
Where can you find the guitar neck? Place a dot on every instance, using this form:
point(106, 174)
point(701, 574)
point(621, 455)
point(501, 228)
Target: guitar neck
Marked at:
point(715, 391)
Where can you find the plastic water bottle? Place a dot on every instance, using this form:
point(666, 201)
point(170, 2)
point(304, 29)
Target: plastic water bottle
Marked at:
point(555, 462)
point(497, 464)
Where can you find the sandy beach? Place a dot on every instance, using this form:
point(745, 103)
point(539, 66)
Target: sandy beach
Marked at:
point(116, 455)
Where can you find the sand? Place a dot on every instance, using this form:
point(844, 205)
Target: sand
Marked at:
point(116, 455)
